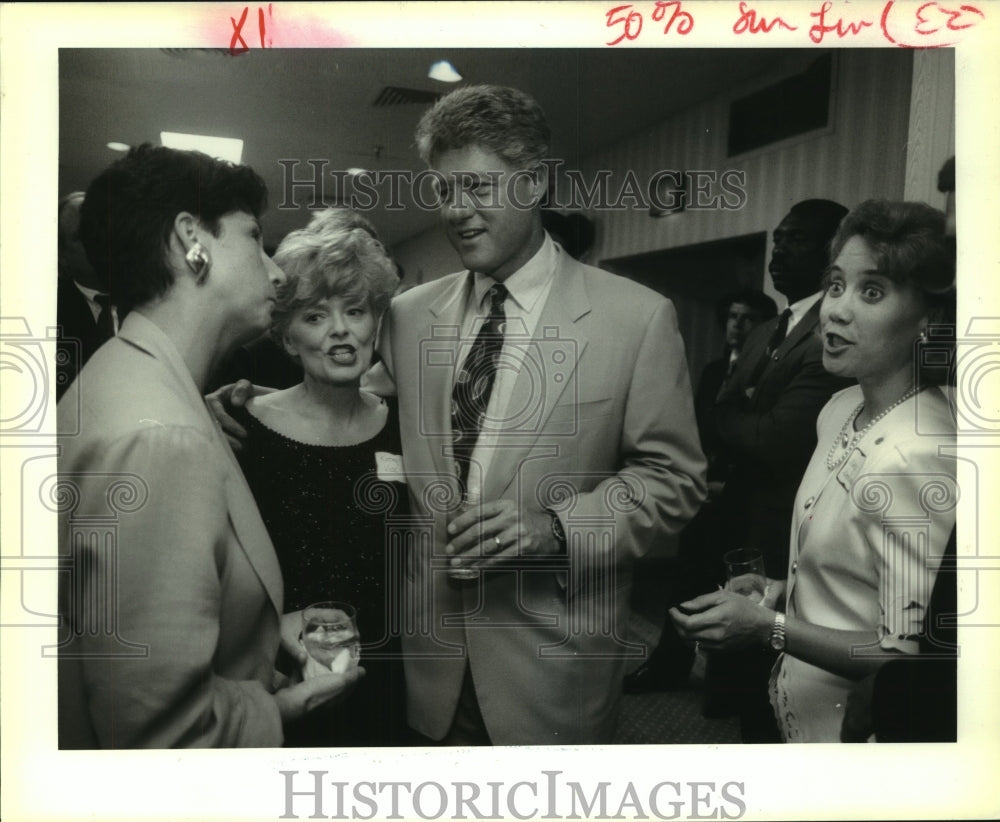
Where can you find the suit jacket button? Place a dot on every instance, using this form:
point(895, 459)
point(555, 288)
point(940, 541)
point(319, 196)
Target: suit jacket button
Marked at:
point(809, 502)
point(795, 566)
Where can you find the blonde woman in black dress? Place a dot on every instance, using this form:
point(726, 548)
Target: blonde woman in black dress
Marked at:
point(323, 459)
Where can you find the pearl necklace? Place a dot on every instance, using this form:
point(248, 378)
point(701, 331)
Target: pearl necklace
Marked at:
point(844, 443)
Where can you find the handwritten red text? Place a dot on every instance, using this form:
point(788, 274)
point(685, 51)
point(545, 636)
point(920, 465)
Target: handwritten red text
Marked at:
point(237, 45)
point(749, 22)
point(821, 27)
point(685, 21)
point(935, 25)
point(907, 25)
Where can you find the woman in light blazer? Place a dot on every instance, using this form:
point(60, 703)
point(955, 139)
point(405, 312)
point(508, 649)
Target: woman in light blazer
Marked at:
point(876, 505)
point(171, 605)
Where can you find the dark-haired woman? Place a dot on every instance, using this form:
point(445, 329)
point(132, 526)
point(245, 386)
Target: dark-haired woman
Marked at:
point(173, 614)
point(877, 502)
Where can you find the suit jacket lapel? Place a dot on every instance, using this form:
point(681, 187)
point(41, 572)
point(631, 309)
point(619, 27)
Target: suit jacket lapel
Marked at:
point(553, 354)
point(804, 327)
point(447, 312)
point(243, 512)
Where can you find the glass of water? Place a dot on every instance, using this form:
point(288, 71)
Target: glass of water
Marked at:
point(330, 635)
point(745, 573)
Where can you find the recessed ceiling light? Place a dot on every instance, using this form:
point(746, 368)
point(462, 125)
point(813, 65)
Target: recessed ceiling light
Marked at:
point(119, 146)
point(444, 71)
point(223, 148)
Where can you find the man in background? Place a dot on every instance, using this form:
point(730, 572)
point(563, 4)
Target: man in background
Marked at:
point(740, 314)
point(669, 664)
point(84, 313)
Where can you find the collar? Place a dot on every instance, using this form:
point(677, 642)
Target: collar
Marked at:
point(140, 331)
point(89, 293)
point(529, 282)
point(802, 307)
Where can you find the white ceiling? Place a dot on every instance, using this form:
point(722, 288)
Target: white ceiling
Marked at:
point(317, 104)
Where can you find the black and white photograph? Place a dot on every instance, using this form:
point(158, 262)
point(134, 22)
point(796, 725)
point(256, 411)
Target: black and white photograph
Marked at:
point(400, 422)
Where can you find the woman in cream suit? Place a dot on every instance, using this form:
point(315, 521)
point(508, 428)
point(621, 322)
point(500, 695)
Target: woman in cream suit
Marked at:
point(171, 605)
point(877, 503)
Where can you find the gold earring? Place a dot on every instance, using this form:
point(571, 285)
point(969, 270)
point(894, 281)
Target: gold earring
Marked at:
point(197, 260)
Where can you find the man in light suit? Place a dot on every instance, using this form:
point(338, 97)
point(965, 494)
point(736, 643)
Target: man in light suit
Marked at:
point(765, 419)
point(584, 456)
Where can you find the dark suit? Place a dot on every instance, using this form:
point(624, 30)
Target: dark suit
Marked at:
point(767, 432)
point(78, 337)
point(770, 435)
point(712, 378)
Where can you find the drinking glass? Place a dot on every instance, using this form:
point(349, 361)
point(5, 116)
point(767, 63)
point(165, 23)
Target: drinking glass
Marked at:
point(745, 573)
point(330, 635)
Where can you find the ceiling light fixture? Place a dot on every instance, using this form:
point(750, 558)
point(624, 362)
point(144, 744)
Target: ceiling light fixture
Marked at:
point(119, 146)
point(222, 148)
point(444, 72)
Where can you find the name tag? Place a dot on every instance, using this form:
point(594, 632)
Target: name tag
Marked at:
point(850, 470)
point(389, 467)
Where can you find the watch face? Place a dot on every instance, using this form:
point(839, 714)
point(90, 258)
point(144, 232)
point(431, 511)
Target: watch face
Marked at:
point(778, 643)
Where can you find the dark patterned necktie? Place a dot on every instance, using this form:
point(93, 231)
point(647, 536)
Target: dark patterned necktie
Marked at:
point(780, 331)
point(776, 339)
point(105, 318)
point(474, 384)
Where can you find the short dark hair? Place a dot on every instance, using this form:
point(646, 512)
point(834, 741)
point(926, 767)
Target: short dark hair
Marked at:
point(907, 240)
point(130, 208)
point(752, 297)
point(824, 215)
point(504, 120)
point(909, 244)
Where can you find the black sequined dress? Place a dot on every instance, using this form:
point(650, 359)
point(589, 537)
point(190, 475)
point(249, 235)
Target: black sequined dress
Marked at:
point(328, 513)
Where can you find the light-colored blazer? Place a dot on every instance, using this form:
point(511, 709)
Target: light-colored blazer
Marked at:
point(170, 609)
point(601, 429)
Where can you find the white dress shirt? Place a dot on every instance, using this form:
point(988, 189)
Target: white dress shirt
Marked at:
point(800, 309)
point(89, 294)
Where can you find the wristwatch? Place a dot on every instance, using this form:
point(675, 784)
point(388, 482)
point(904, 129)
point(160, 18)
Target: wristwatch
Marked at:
point(777, 638)
point(557, 531)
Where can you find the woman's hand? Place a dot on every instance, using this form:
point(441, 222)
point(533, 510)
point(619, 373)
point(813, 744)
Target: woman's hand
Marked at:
point(291, 637)
point(774, 594)
point(303, 697)
point(723, 621)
